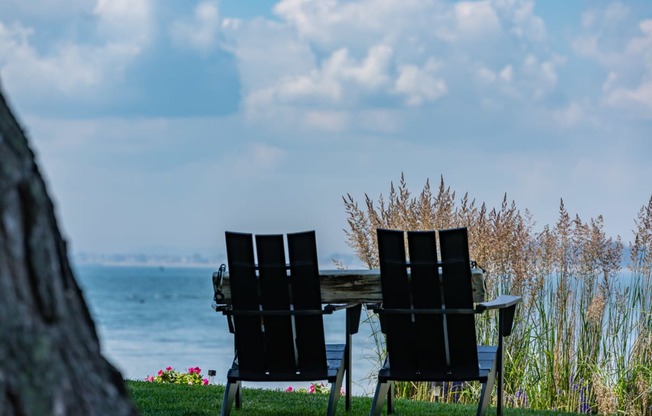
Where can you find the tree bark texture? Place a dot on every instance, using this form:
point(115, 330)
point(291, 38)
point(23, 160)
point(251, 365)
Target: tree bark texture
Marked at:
point(50, 359)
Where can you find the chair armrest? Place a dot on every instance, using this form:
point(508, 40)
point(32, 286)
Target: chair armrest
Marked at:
point(281, 312)
point(332, 307)
point(501, 302)
point(353, 312)
point(374, 306)
point(352, 315)
point(221, 307)
point(506, 305)
point(225, 309)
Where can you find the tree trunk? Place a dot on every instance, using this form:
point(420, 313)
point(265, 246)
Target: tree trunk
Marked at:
point(50, 360)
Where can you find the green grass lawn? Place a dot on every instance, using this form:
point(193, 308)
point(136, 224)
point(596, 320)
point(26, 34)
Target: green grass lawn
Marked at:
point(181, 400)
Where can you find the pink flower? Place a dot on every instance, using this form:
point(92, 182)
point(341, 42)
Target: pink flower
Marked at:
point(149, 378)
point(160, 372)
point(168, 369)
point(312, 389)
point(289, 390)
point(205, 382)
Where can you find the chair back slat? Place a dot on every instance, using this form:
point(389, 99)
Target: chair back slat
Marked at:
point(458, 293)
point(428, 343)
point(275, 296)
point(249, 336)
point(426, 294)
point(395, 286)
point(306, 295)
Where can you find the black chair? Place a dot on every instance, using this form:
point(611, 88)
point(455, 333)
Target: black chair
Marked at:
point(276, 317)
point(427, 315)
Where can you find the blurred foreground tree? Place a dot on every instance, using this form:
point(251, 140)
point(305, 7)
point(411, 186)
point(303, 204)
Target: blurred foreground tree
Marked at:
point(50, 360)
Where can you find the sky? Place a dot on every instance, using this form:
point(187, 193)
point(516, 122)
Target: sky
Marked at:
point(159, 125)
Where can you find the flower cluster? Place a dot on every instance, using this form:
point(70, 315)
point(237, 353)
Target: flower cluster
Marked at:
point(170, 375)
point(320, 388)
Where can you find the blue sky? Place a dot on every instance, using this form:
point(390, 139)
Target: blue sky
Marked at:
point(159, 125)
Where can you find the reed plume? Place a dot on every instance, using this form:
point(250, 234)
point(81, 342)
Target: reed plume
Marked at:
point(582, 339)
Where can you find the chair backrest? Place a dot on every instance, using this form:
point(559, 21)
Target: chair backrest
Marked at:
point(267, 341)
point(431, 342)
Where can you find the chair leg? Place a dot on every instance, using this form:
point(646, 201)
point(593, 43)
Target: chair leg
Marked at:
point(485, 395)
point(382, 388)
point(238, 396)
point(348, 364)
point(230, 393)
point(335, 392)
point(499, 372)
point(499, 392)
point(390, 398)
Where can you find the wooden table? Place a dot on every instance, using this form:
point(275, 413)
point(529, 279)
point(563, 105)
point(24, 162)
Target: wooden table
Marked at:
point(338, 286)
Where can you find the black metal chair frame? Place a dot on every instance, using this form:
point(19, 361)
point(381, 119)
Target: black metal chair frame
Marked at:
point(427, 316)
point(275, 315)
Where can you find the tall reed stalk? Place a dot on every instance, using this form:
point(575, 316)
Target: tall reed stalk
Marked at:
point(582, 339)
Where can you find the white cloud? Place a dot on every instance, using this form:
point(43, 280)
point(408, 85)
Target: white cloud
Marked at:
point(329, 121)
point(476, 19)
point(343, 81)
point(313, 85)
point(542, 75)
point(488, 76)
point(266, 52)
point(125, 21)
point(65, 67)
point(637, 100)
point(616, 12)
point(608, 17)
point(571, 115)
point(68, 69)
point(419, 85)
point(201, 31)
point(507, 73)
point(332, 23)
point(258, 159)
point(642, 44)
point(370, 74)
point(265, 156)
point(14, 39)
point(373, 53)
point(525, 24)
point(340, 80)
point(624, 50)
point(301, 14)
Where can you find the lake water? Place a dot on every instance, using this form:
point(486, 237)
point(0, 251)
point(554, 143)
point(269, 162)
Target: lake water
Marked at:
point(149, 318)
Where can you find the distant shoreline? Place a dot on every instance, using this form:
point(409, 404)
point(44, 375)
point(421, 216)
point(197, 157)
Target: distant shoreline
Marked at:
point(191, 261)
point(162, 265)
